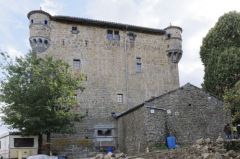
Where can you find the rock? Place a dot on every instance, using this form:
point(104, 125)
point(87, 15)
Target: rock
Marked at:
point(205, 155)
point(217, 155)
point(219, 140)
point(108, 156)
point(99, 156)
point(232, 153)
point(120, 155)
point(207, 140)
point(200, 141)
point(238, 157)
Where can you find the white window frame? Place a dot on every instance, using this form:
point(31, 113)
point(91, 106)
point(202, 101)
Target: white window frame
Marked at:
point(120, 98)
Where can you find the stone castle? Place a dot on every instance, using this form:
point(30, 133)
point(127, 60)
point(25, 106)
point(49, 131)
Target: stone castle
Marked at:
point(124, 65)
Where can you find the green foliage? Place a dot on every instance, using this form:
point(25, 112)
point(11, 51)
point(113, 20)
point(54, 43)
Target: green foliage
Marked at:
point(220, 54)
point(232, 100)
point(39, 95)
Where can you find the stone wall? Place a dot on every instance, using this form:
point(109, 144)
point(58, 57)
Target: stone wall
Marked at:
point(132, 132)
point(188, 113)
point(194, 113)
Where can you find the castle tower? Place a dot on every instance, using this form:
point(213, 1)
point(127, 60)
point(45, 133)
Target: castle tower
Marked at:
point(39, 31)
point(174, 43)
point(124, 66)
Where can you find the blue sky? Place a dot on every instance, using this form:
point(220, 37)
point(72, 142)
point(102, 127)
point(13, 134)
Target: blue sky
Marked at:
point(196, 17)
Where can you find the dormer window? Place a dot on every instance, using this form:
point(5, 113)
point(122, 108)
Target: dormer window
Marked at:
point(74, 30)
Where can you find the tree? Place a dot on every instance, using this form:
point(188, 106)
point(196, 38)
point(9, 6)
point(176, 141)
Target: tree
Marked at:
point(220, 54)
point(232, 102)
point(39, 95)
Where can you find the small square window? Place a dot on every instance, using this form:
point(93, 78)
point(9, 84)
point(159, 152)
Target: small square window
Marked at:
point(120, 98)
point(76, 63)
point(74, 30)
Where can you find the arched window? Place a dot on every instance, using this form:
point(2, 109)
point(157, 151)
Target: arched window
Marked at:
point(45, 22)
point(35, 41)
point(40, 41)
point(45, 42)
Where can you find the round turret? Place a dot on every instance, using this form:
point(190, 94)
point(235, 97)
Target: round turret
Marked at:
point(174, 43)
point(40, 28)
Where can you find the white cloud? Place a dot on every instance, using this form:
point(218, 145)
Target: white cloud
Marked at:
point(52, 6)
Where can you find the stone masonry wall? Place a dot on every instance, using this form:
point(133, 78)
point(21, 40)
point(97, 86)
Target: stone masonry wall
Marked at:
point(132, 132)
point(194, 114)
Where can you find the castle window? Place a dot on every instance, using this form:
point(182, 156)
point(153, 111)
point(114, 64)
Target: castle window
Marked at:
point(31, 21)
point(138, 64)
point(40, 41)
point(74, 30)
point(168, 36)
point(76, 63)
point(116, 35)
point(131, 37)
point(45, 42)
point(120, 98)
point(35, 41)
point(45, 22)
point(104, 132)
point(110, 34)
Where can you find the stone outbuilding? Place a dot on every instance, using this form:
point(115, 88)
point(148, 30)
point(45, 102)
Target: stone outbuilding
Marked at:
point(188, 113)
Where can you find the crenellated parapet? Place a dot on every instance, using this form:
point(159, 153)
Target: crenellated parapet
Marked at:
point(40, 30)
point(174, 43)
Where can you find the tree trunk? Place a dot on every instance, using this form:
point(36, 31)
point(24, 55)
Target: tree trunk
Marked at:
point(39, 143)
point(49, 143)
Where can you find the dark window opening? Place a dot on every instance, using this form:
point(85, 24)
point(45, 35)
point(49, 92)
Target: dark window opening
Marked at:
point(63, 42)
point(35, 41)
point(104, 132)
point(131, 37)
point(86, 43)
point(45, 22)
point(45, 42)
point(189, 104)
point(110, 34)
point(116, 35)
point(40, 40)
point(74, 28)
point(31, 21)
point(23, 142)
point(138, 64)
point(168, 35)
point(76, 63)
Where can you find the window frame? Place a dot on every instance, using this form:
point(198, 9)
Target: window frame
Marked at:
point(18, 144)
point(138, 64)
point(120, 98)
point(76, 64)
